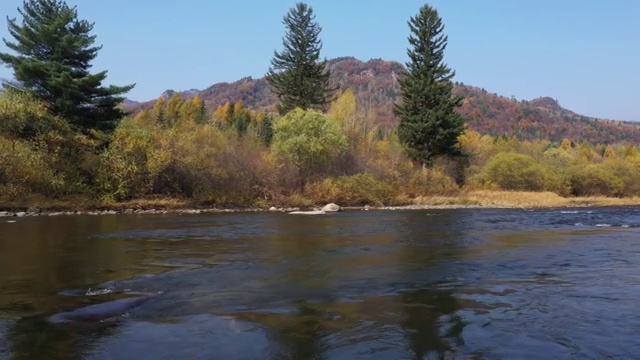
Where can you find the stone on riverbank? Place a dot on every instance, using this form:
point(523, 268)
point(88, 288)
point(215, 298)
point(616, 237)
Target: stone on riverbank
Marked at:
point(331, 207)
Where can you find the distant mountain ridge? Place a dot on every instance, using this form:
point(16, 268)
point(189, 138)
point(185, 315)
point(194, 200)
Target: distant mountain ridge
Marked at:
point(375, 83)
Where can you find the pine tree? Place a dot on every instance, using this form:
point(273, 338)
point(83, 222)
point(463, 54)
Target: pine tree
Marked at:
point(264, 124)
point(429, 126)
point(296, 75)
point(201, 114)
point(54, 50)
point(159, 110)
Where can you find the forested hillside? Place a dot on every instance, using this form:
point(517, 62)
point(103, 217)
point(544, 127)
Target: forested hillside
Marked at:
point(375, 85)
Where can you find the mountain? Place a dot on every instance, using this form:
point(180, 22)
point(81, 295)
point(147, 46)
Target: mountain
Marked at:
point(375, 83)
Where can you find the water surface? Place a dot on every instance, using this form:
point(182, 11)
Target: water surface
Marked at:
point(452, 284)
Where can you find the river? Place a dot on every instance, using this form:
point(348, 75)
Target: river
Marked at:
point(427, 284)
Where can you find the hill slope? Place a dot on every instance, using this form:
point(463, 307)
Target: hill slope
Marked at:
point(375, 84)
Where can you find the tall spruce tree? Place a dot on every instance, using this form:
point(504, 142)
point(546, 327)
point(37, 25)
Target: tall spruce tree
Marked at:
point(54, 50)
point(429, 125)
point(296, 75)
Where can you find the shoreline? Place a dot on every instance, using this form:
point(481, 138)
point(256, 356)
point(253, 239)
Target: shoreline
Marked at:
point(195, 211)
point(472, 200)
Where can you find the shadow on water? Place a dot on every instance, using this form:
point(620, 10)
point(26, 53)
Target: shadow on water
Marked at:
point(35, 338)
point(430, 249)
point(380, 289)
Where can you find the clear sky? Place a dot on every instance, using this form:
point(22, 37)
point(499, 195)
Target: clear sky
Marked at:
point(585, 53)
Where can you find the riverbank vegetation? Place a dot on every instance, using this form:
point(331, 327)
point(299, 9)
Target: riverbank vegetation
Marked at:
point(183, 154)
point(347, 161)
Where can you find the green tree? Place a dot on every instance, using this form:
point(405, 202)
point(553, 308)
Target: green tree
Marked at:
point(296, 75)
point(308, 140)
point(264, 127)
point(52, 61)
point(429, 126)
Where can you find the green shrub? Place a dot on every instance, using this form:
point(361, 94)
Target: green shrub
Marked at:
point(511, 171)
point(24, 170)
point(627, 172)
point(308, 140)
point(595, 180)
point(22, 116)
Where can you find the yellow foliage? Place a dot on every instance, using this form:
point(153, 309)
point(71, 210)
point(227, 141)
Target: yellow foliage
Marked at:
point(431, 181)
point(595, 180)
point(513, 171)
point(343, 109)
point(173, 110)
point(159, 110)
point(359, 189)
point(387, 160)
point(190, 109)
point(25, 170)
point(566, 144)
point(222, 113)
point(609, 153)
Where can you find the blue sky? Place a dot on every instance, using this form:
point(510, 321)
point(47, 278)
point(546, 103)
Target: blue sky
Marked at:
point(584, 53)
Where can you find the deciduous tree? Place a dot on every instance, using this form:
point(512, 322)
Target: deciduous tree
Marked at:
point(307, 140)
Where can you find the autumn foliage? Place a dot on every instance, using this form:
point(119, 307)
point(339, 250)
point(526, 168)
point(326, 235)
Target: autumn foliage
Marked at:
point(221, 157)
point(375, 85)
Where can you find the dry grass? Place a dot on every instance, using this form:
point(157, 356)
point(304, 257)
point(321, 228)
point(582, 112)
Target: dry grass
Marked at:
point(151, 203)
point(515, 199)
point(476, 198)
point(85, 203)
point(603, 201)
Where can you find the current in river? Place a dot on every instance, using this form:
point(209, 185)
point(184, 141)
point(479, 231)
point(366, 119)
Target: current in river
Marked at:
point(419, 284)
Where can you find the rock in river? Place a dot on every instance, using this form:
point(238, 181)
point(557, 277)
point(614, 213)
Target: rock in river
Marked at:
point(331, 207)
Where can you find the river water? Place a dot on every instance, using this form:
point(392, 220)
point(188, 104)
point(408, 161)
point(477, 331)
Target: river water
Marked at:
point(432, 284)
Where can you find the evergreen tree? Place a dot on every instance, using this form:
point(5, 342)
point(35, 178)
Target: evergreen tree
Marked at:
point(52, 61)
point(296, 75)
point(201, 114)
point(264, 122)
point(429, 126)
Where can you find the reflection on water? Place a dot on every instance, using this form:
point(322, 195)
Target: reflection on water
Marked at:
point(406, 284)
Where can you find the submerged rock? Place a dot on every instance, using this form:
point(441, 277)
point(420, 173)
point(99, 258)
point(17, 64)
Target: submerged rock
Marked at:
point(101, 311)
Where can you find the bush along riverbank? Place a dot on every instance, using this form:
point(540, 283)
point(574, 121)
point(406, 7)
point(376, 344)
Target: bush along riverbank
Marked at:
point(474, 199)
point(309, 159)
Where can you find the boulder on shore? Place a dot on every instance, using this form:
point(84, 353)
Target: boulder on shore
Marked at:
point(331, 207)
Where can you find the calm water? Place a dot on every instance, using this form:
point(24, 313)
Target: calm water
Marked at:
point(452, 284)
